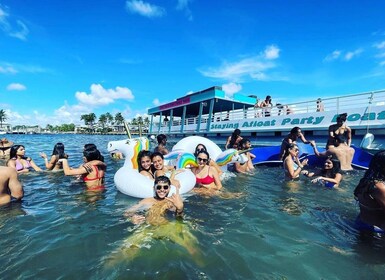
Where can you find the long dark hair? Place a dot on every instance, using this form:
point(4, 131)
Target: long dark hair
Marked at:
point(376, 172)
point(288, 147)
point(92, 154)
point(335, 169)
point(58, 150)
point(141, 155)
point(197, 150)
point(234, 136)
point(13, 151)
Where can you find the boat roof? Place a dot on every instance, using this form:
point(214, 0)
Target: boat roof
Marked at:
point(193, 101)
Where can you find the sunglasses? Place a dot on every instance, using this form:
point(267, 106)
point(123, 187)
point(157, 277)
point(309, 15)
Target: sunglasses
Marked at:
point(202, 159)
point(165, 187)
point(296, 150)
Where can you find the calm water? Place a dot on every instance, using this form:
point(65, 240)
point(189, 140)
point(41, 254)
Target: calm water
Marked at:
point(273, 231)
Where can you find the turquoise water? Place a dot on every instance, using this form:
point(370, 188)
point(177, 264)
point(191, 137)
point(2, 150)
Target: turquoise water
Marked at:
point(274, 230)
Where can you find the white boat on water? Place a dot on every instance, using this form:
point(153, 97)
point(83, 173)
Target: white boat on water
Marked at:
point(210, 113)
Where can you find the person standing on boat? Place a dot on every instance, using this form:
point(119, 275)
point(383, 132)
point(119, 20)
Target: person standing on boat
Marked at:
point(256, 108)
point(234, 139)
point(10, 186)
point(292, 137)
point(340, 128)
point(339, 150)
point(320, 105)
point(266, 106)
point(370, 193)
point(162, 141)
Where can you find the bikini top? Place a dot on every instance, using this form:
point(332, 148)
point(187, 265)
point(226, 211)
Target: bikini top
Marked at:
point(206, 180)
point(19, 166)
point(295, 166)
point(97, 177)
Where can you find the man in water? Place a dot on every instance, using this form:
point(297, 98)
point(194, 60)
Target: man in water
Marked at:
point(10, 186)
point(161, 148)
point(340, 150)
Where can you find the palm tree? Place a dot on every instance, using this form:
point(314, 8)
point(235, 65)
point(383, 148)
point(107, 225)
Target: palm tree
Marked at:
point(3, 117)
point(119, 118)
point(103, 121)
point(89, 119)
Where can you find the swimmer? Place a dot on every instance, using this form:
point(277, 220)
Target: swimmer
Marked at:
point(207, 178)
point(57, 153)
point(212, 163)
point(292, 137)
point(19, 161)
point(293, 168)
point(234, 139)
point(5, 147)
point(164, 170)
point(161, 148)
point(145, 164)
point(245, 145)
point(331, 173)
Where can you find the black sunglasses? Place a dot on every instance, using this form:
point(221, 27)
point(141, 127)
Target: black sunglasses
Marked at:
point(202, 159)
point(159, 187)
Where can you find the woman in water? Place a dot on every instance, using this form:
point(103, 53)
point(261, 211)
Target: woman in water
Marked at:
point(234, 139)
point(144, 164)
point(292, 137)
point(291, 164)
point(19, 161)
point(212, 163)
point(370, 194)
point(164, 170)
point(207, 178)
point(92, 171)
point(330, 175)
point(57, 153)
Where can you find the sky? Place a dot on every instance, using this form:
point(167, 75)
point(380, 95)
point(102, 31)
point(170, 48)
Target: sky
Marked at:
point(62, 59)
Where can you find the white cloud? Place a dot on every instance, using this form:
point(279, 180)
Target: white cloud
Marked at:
point(350, 55)
point(144, 9)
point(249, 67)
point(380, 45)
point(183, 6)
point(16, 86)
point(8, 70)
point(156, 102)
point(18, 29)
point(333, 56)
point(231, 88)
point(100, 96)
point(272, 52)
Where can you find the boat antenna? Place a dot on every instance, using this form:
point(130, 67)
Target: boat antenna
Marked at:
point(127, 130)
point(370, 103)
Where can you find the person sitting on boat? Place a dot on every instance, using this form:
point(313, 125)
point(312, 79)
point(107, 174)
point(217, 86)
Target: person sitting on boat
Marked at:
point(57, 153)
point(245, 145)
point(292, 137)
point(164, 170)
point(92, 171)
point(370, 193)
point(292, 166)
point(161, 148)
point(320, 105)
point(19, 161)
point(339, 150)
point(330, 175)
point(234, 139)
point(266, 106)
point(5, 147)
point(145, 164)
point(207, 177)
point(340, 128)
point(10, 186)
point(212, 163)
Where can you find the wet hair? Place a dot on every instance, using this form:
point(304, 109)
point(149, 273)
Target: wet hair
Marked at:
point(90, 146)
point(163, 179)
point(141, 155)
point(92, 154)
point(335, 169)
point(160, 138)
point(203, 152)
point(13, 151)
point(58, 150)
point(197, 150)
point(295, 130)
point(234, 136)
point(342, 117)
point(376, 172)
point(243, 142)
point(288, 148)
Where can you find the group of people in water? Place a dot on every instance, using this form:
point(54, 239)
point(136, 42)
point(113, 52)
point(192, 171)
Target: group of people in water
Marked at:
point(370, 192)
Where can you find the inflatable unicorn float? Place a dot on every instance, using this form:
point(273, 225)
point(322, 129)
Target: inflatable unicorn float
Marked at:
point(130, 182)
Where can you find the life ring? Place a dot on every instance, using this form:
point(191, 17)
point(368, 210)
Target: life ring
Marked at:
point(130, 182)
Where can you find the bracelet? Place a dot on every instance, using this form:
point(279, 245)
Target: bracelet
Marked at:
point(179, 212)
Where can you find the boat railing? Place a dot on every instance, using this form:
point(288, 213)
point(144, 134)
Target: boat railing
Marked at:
point(340, 104)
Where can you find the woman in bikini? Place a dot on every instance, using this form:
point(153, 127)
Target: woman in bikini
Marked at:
point(234, 139)
point(19, 161)
point(92, 171)
point(340, 128)
point(212, 163)
point(57, 153)
point(293, 167)
point(330, 175)
point(207, 178)
point(144, 164)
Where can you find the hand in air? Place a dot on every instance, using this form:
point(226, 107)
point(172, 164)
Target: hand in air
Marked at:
point(176, 200)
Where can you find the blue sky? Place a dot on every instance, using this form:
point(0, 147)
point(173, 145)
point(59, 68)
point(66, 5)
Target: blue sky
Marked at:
point(61, 59)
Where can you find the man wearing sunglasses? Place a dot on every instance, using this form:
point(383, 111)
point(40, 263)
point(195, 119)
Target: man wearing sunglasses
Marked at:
point(158, 205)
